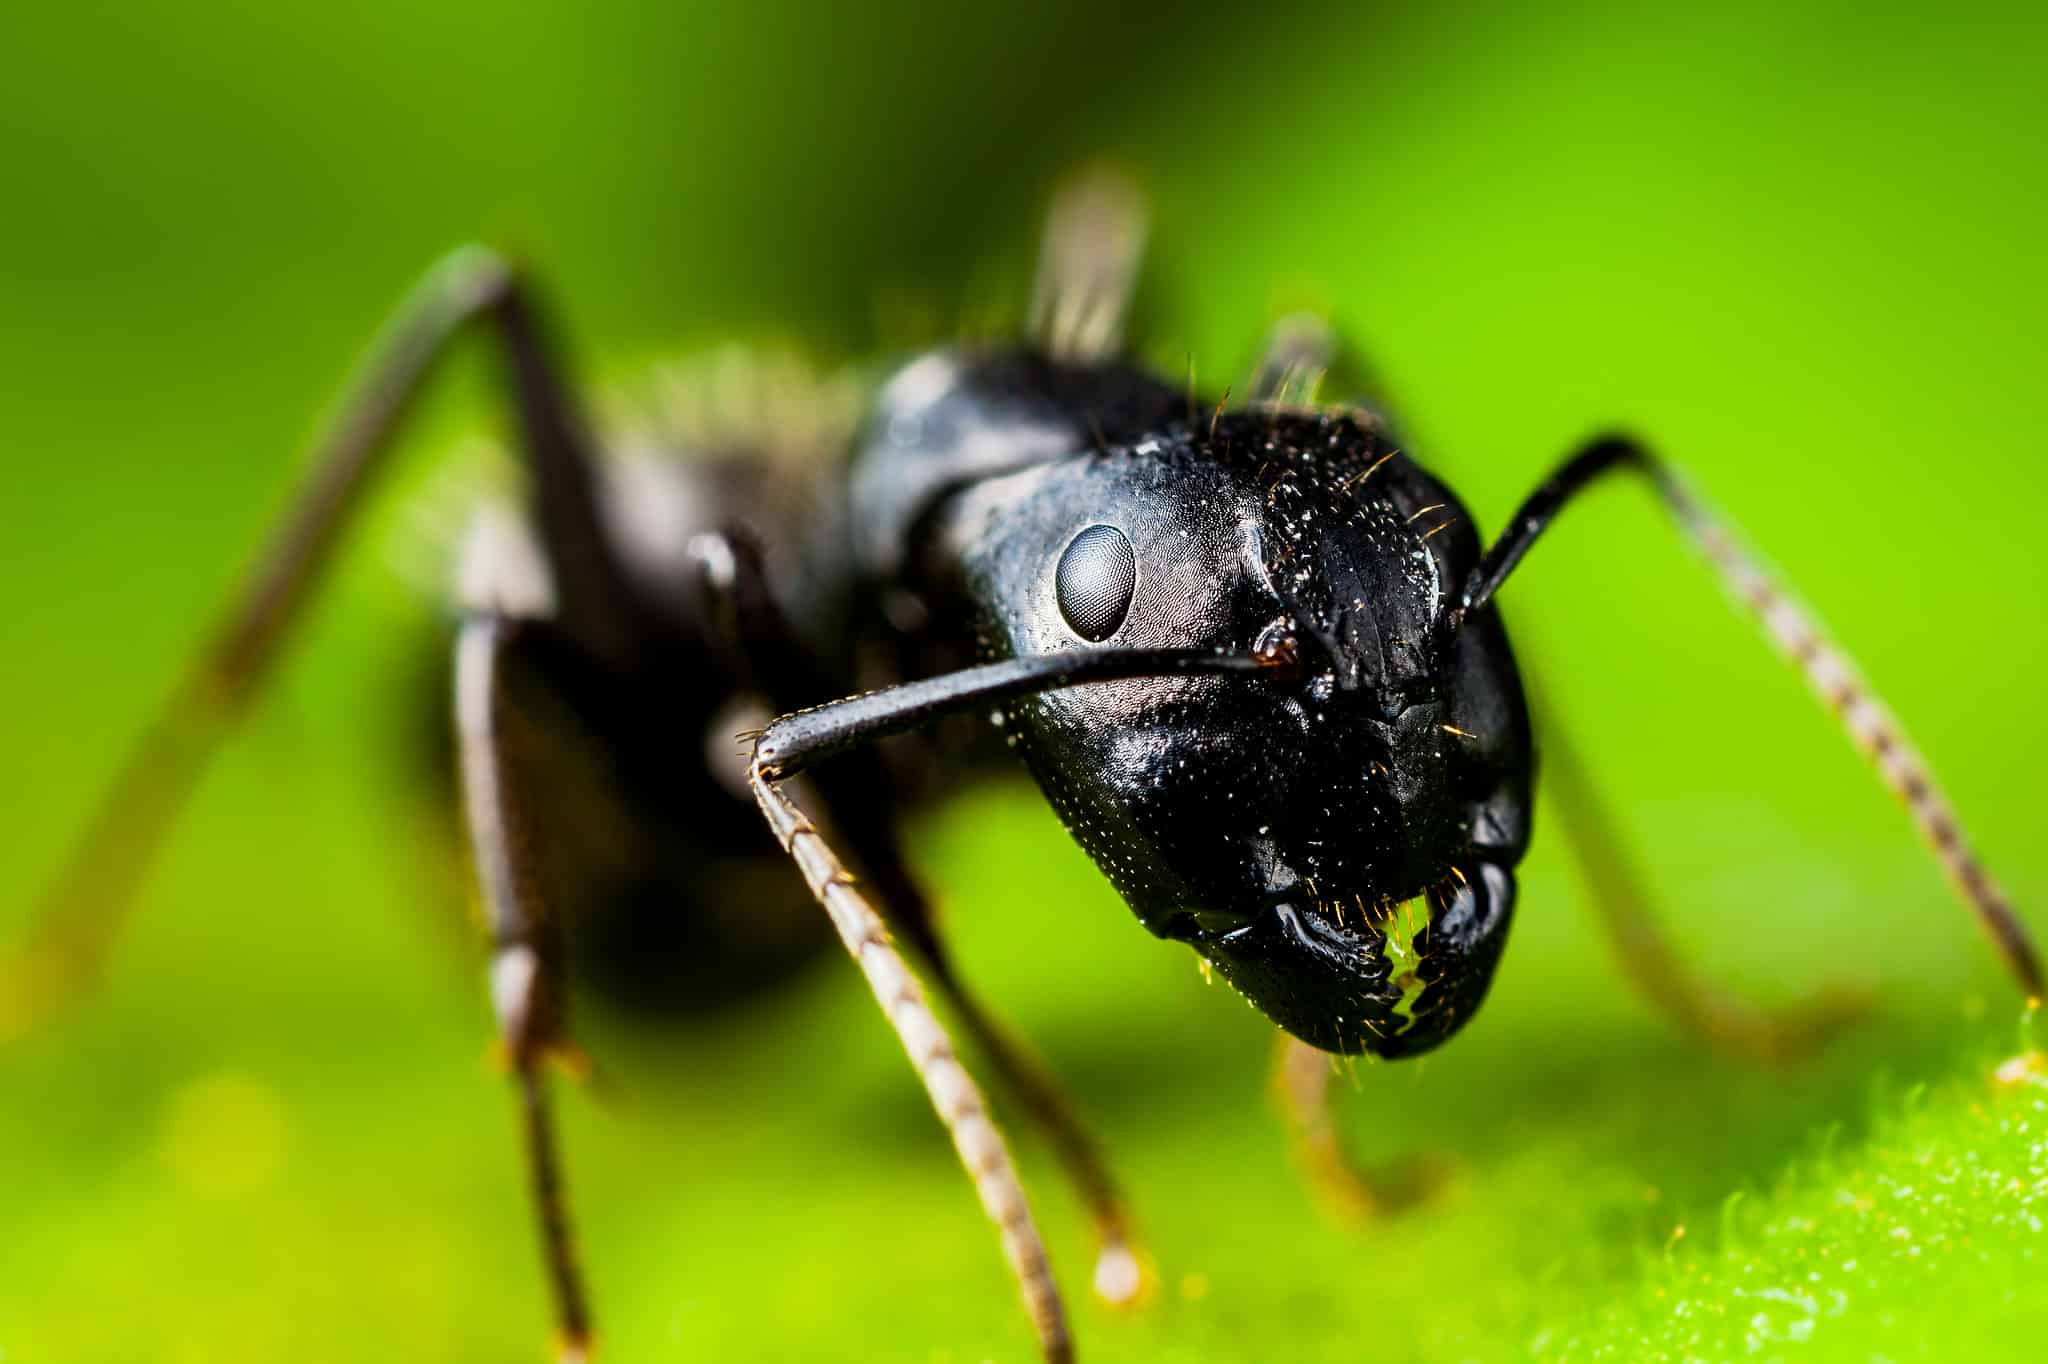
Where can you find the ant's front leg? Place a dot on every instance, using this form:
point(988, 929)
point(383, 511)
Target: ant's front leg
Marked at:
point(1833, 678)
point(853, 795)
point(1302, 1078)
point(500, 668)
point(794, 743)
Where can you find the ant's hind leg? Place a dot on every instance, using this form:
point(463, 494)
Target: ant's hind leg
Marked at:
point(852, 794)
point(498, 734)
point(1615, 886)
point(1302, 1078)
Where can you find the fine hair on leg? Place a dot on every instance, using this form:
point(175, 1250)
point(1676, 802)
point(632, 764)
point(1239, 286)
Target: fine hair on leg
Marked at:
point(952, 1090)
point(851, 796)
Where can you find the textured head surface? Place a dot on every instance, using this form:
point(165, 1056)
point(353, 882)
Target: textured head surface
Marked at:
point(1278, 827)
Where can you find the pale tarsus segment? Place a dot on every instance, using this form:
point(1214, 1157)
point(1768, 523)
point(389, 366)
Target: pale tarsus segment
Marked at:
point(1871, 727)
point(953, 1092)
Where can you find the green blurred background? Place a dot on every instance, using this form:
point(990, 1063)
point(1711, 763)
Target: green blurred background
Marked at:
point(1799, 248)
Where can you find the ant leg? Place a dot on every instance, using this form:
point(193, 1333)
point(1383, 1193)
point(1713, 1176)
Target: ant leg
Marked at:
point(494, 662)
point(78, 918)
point(1119, 1277)
point(953, 1093)
point(847, 796)
point(1302, 1077)
point(1088, 268)
point(1615, 886)
point(1119, 1269)
point(1830, 673)
point(794, 742)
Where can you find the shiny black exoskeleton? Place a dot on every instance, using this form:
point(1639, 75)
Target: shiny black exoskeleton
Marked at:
point(1252, 658)
point(1281, 831)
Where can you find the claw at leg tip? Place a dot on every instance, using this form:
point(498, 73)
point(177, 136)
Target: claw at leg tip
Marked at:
point(1119, 1277)
point(572, 1061)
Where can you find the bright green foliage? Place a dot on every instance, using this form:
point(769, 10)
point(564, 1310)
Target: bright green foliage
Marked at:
point(1926, 1242)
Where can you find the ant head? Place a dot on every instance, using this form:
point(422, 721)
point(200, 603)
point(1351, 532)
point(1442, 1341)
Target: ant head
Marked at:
point(1337, 840)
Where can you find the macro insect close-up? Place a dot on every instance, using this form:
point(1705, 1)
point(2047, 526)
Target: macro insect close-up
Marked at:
point(1131, 514)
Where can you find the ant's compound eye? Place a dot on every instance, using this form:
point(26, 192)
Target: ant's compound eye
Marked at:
point(1094, 582)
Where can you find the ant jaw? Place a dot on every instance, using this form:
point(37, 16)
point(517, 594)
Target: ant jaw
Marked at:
point(1198, 928)
point(1396, 977)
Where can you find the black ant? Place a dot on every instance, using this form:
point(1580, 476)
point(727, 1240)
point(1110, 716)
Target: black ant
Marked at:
point(1250, 653)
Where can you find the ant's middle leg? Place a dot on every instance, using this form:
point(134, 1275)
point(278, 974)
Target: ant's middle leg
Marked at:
point(853, 795)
